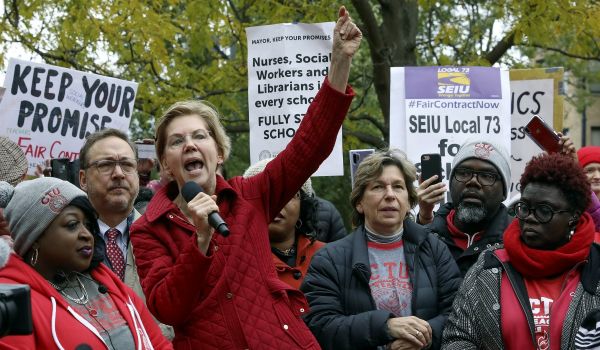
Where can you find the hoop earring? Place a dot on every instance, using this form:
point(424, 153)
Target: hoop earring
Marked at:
point(298, 224)
point(571, 234)
point(34, 257)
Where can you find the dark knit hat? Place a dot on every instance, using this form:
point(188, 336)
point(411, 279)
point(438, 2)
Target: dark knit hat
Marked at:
point(13, 164)
point(32, 205)
point(588, 154)
point(488, 151)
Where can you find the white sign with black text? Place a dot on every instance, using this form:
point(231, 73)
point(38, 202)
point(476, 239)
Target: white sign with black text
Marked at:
point(287, 64)
point(49, 110)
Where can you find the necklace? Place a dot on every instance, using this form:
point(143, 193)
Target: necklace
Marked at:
point(93, 312)
point(286, 252)
point(81, 300)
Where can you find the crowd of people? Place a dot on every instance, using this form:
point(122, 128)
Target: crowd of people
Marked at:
point(121, 261)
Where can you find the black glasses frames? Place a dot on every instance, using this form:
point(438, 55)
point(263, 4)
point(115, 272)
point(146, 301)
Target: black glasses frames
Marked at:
point(485, 178)
point(542, 212)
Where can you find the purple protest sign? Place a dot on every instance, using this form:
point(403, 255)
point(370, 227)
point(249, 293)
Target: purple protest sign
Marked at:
point(452, 83)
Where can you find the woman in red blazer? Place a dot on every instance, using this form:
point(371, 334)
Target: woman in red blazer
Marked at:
point(222, 292)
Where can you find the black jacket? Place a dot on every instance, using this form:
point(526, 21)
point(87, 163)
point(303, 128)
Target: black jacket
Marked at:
point(475, 322)
point(467, 258)
point(343, 314)
point(330, 226)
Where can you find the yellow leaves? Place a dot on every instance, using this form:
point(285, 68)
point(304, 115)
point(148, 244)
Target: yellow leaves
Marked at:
point(196, 48)
point(448, 34)
point(446, 60)
point(570, 26)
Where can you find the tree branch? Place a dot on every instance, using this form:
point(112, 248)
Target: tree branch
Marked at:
point(429, 42)
point(501, 47)
point(366, 138)
point(363, 96)
point(370, 119)
point(563, 52)
point(220, 92)
point(371, 30)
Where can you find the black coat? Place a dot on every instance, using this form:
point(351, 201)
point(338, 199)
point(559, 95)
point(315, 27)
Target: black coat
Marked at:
point(491, 237)
point(343, 314)
point(330, 226)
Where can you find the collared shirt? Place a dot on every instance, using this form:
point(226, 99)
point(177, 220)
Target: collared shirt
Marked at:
point(123, 238)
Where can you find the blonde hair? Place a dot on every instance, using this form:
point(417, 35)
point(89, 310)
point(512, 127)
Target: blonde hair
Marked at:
point(203, 110)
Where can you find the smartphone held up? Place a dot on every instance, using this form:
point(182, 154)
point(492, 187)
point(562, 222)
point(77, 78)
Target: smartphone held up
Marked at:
point(431, 164)
point(543, 135)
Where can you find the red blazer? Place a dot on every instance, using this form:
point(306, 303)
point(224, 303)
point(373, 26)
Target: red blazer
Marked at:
point(305, 251)
point(57, 326)
point(231, 298)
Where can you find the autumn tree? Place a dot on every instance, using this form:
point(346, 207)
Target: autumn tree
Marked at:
point(197, 49)
point(427, 32)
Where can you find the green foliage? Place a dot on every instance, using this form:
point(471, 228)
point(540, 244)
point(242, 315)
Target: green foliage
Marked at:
point(197, 49)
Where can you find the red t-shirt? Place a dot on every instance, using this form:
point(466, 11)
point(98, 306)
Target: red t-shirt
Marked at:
point(542, 294)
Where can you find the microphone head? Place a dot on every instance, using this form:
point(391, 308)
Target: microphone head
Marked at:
point(190, 189)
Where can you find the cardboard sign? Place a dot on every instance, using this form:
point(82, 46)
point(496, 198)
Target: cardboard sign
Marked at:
point(49, 110)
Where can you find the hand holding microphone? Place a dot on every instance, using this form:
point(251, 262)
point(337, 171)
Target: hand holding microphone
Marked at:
point(189, 191)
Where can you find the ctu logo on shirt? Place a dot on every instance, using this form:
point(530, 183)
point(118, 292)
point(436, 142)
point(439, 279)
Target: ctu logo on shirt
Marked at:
point(394, 271)
point(54, 200)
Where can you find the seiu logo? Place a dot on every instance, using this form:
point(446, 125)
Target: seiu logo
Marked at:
point(453, 89)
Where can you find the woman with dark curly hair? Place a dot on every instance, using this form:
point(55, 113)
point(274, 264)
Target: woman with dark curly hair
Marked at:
point(292, 232)
point(535, 291)
point(75, 299)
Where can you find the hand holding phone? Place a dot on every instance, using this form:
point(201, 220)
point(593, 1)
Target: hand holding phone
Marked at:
point(430, 192)
point(543, 135)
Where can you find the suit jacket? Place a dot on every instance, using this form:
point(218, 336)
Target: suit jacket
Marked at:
point(132, 279)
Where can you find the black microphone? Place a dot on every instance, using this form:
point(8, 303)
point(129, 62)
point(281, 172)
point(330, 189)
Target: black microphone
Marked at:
point(189, 191)
point(83, 347)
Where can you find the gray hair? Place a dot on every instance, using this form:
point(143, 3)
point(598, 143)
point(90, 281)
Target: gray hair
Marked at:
point(371, 168)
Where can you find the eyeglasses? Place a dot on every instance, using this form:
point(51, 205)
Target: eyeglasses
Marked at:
point(542, 212)
point(177, 141)
point(107, 166)
point(483, 177)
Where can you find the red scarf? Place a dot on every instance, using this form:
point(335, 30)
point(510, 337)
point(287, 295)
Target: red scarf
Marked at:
point(535, 263)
